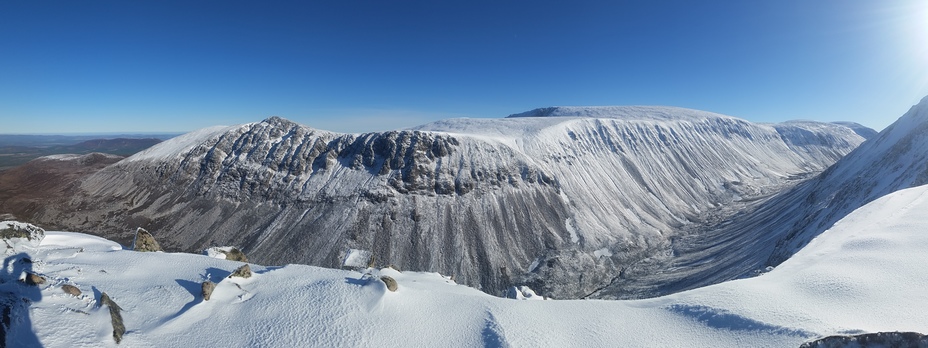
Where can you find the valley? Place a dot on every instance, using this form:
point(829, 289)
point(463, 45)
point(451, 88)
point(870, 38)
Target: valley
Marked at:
point(573, 202)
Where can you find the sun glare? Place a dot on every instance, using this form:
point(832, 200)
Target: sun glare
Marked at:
point(920, 43)
point(921, 20)
point(909, 22)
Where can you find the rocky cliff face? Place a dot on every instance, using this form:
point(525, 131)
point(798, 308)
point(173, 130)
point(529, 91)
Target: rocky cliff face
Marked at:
point(564, 202)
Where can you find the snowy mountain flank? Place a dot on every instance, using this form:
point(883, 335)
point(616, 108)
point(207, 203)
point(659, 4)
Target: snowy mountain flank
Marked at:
point(864, 275)
point(570, 201)
point(765, 235)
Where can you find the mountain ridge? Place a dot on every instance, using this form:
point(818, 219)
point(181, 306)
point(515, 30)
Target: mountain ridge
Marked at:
point(493, 202)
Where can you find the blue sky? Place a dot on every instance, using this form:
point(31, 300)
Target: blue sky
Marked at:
point(357, 65)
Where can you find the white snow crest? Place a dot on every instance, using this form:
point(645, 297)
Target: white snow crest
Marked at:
point(181, 144)
point(356, 258)
point(522, 293)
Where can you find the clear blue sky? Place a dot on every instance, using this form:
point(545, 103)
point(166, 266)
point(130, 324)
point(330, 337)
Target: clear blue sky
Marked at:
point(358, 65)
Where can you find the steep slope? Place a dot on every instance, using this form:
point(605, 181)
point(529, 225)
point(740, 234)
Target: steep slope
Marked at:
point(288, 193)
point(564, 203)
point(896, 159)
point(638, 178)
point(768, 234)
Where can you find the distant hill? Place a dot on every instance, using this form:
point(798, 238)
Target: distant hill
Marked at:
point(16, 150)
point(28, 187)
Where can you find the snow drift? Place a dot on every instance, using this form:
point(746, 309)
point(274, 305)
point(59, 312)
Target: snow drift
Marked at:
point(865, 274)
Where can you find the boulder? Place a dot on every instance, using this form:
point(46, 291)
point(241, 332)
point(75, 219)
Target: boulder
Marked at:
point(71, 290)
point(234, 254)
point(34, 279)
point(115, 318)
point(144, 241)
point(390, 282)
point(208, 288)
point(242, 272)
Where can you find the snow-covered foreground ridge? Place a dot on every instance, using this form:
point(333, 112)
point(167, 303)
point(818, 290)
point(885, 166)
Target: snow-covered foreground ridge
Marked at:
point(866, 274)
point(533, 201)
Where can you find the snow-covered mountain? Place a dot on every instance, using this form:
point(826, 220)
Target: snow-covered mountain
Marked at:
point(895, 159)
point(766, 234)
point(866, 274)
point(564, 199)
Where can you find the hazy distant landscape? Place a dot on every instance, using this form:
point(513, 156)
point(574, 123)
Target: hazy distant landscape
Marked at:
point(19, 149)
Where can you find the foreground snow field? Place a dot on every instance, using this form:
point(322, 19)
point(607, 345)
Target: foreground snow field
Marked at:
point(868, 273)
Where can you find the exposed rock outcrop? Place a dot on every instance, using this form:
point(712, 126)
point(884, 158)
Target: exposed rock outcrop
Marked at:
point(207, 289)
point(236, 255)
point(145, 242)
point(19, 235)
point(119, 329)
point(390, 282)
point(34, 279)
point(879, 339)
point(244, 271)
point(71, 290)
point(524, 200)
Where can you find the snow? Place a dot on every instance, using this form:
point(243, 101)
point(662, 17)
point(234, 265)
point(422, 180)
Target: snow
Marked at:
point(71, 156)
point(522, 293)
point(604, 252)
point(181, 144)
point(574, 238)
point(19, 236)
point(867, 273)
point(630, 180)
point(892, 160)
point(357, 258)
point(218, 252)
point(634, 112)
point(625, 170)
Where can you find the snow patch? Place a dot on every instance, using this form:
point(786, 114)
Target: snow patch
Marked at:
point(534, 265)
point(218, 252)
point(357, 258)
point(569, 224)
point(179, 145)
point(522, 293)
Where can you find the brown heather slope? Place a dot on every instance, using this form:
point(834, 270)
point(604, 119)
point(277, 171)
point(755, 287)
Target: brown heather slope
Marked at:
point(46, 180)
